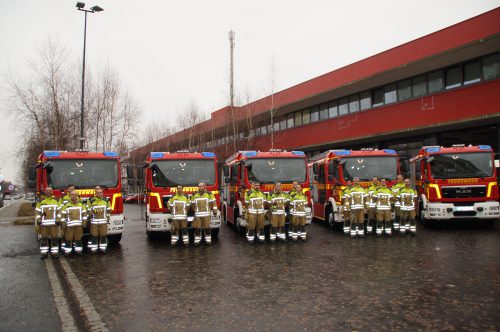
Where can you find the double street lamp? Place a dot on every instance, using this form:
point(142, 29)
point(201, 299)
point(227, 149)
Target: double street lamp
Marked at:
point(95, 9)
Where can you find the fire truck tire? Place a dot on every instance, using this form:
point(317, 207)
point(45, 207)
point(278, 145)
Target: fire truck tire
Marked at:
point(114, 238)
point(421, 216)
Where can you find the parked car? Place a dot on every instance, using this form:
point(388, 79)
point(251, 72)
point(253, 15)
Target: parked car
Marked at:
point(1, 201)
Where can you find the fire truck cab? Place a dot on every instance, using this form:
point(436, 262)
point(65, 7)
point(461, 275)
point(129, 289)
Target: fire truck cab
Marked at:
point(456, 182)
point(164, 171)
point(85, 170)
point(244, 167)
point(332, 169)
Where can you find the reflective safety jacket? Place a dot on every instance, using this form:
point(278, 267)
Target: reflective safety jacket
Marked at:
point(202, 203)
point(178, 205)
point(99, 210)
point(385, 198)
point(298, 202)
point(66, 199)
point(255, 202)
point(395, 189)
point(277, 202)
point(74, 214)
point(48, 212)
point(407, 197)
point(346, 204)
point(372, 197)
point(357, 196)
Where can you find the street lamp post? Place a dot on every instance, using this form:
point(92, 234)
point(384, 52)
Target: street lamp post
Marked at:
point(81, 6)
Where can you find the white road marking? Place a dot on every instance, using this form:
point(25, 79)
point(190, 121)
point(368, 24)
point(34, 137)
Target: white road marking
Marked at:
point(67, 321)
point(94, 319)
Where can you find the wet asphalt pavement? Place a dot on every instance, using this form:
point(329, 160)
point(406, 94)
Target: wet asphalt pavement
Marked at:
point(446, 278)
point(26, 302)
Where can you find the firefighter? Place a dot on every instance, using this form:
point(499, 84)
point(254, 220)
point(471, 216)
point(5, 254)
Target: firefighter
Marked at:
point(62, 202)
point(385, 199)
point(357, 196)
point(408, 197)
point(179, 204)
point(202, 201)
point(371, 204)
point(298, 210)
point(346, 210)
point(293, 191)
point(255, 213)
point(48, 218)
point(99, 210)
point(397, 204)
point(74, 215)
point(277, 200)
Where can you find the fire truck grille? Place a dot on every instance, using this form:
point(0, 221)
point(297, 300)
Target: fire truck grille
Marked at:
point(464, 213)
point(464, 192)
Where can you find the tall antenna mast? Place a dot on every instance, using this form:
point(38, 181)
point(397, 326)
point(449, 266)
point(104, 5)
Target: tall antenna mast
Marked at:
point(231, 85)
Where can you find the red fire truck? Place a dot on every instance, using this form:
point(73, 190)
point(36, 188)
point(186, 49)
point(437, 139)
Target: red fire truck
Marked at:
point(333, 168)
point(456, 182)
point(265, 167)
point(85, 170)
point(164, 171)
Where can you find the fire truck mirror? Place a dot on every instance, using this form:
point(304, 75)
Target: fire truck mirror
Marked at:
point(225, 169)
point(430, 159)
point(315, 168)
point(140, 173)
point(130, 172)
point(331, 167)
point(248, 165)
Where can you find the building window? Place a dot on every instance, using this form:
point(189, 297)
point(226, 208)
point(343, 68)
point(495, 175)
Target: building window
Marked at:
point(390, 94)
point(353, 104)
point(472, 73)
point(263, 130)
point(453, 78)
point(365, 100)
point(283, 123)
point(314, 113)
point(333, 110)
point(276, 126)
point(289, 120)
point(491, 66)
point(419, 86)
point(323, 111)
point(404, 90)
point(256, 132)
point(298, 118)
point(378, 97)
point(343, 106)
point(306, 117)
point(435, 81)
point(269, 129)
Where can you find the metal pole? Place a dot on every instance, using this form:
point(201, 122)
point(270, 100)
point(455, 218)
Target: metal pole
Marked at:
point(83, 83)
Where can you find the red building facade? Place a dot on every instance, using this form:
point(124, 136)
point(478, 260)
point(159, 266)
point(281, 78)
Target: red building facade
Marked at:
point(442, 88)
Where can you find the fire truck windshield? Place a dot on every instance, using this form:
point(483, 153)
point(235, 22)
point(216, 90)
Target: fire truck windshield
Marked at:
point(276, 170)
point(83, 173)
point(461, 165)
point(367, 167)
point(185, 172)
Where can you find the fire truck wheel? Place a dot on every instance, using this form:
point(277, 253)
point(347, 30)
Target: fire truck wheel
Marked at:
point(115, 238)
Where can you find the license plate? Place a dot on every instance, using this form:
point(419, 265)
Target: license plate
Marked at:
point(464, 208)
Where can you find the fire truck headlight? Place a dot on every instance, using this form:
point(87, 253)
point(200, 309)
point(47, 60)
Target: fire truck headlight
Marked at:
point(154, 220)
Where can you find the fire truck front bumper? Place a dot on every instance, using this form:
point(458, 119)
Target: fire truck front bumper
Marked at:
point(308, 215)
point(477, 210)
point(158, 222)
point(116, 224)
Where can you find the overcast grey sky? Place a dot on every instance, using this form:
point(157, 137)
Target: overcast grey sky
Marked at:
point(168, 53)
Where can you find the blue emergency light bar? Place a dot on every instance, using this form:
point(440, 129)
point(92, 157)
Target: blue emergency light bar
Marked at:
point(52, 153)
point(156, 154)
point(432, 150)
point(298, 153)
point(110, 154)
point(484, 147)
point(250, 153)
point(342, 152)
point(390, 151)
point(208, 154)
